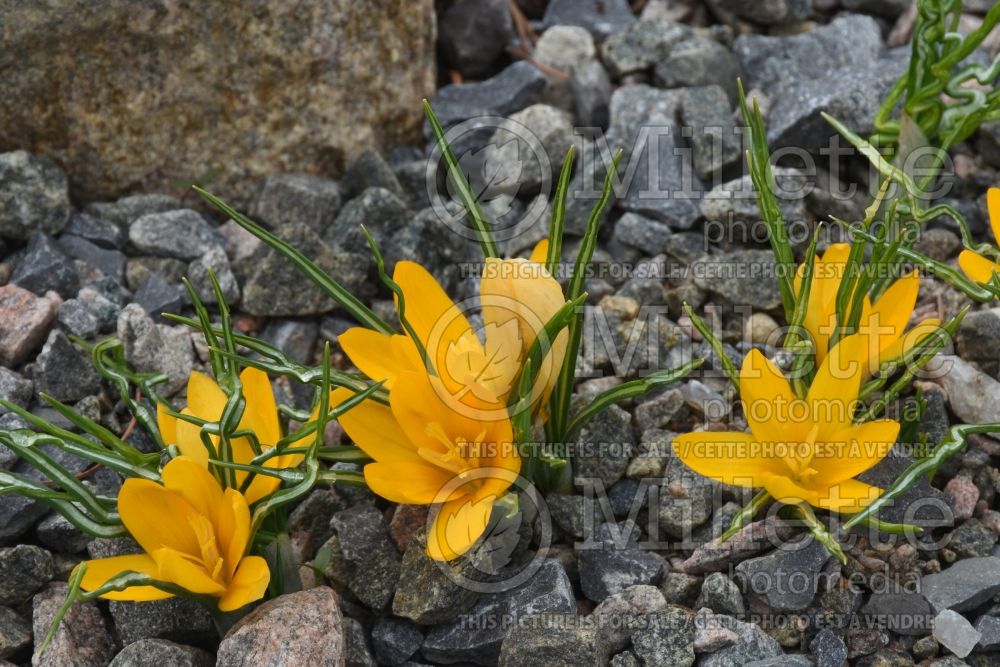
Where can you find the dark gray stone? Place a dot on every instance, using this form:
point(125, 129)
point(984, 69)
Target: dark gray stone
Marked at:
point(64, 372)
point(721, 595)
point(605, 446)
point(902, 613)
point(611, 563)
point(890, 9)
point(137, 269)
point(175, 619)
point(24, 569)
point(781, 661)
point(162, 653)
point(297, 198)
point(123, 212)
point(477, 636)
point(664, 187)
point(641, 232)
point(473, 34)
point(771, 12)
point(155, 348)
point(591, 89)
point(829, 649)
point(156, 296)
point(837, 69)
point(567, 512)
point(296, 338)
point(972, 539)
point(552, 640)
point(529, 149)
point(680, 588)
point(395, 640)
point(752, 643)
point(664, 637)
point(699, 61)
point(601, 17)
point(513, 89)
point(978, 338)
point(370, 170)
point(373, 564)
point(356, 647)
point(110, 262)
point(430, 592)
point(58, 534)
point(15, 633)
point(964, 585)
point(989, 628)
point(215, 261)
point(788, 577)
point(182, 234)
point(34, 196)
point(742, 277)
point(14, 388)
point(43, 267)
point(77, 319)
point(273, 286)
point(989, 142)
point(82, 638)
point(102, 233)
point(706, 114)
point(641, 45)
point(381, 212)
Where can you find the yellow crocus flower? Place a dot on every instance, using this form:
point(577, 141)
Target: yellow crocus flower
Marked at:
point(194, 535)
point(206, 401)
point(882, 324)
point(977, 267)
point(798, 450)
point(426, 452)
point(517, 298)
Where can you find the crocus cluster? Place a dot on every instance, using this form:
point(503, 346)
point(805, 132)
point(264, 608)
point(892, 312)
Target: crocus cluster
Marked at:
point(445, 438)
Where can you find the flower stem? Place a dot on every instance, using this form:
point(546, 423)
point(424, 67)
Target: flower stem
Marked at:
point(746, 515)
point(820, 533)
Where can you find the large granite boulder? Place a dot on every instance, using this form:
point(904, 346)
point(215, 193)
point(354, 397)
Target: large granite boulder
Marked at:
point(133, 95)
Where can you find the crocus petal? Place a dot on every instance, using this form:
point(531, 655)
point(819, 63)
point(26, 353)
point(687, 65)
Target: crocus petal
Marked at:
point(768, 401)
point(910, 339)
point(410, 483)
point(848, 496)
point(189, 442)
point(993, 209)
point(891, 313)
point(833, 394)
point(854, 450)
point(435, 318)
point(540, 253)
point(374, 429)
point(156, 517)
point(784, 490)
point(457, 526)
point(180, 569)
point(828, 272)
point(100, 570)
point(380, 356)
point(977, 267)
point(205, 399)
point(248, 584)
point(167, 424)
point(261, 412)
point(262, 485)
point(194, 483)
point(232, 528)
point(727, 456)
point(417, 403)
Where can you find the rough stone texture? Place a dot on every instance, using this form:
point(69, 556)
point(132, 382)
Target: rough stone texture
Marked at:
point(15, 389)
point(274, 287)
point(836, 68)
point(474, 33)
point(752, 643)
point(161, 653)
point(612, 615)
point(395, 640)
point(44, 267)
point(284, 96)
point(963, 586)
point(955, 633)
point(15, 633)
point(600, 17)
point(304, 628)
point(156, 348)
point(63, 371)
point(665, 638)
point(284, 198)
point(182, 234)
point(23, 570)
point(742, 277)
point(552, 639)
point(81, 640)
point(24, 322)
point(373, 564)
point(428, 591)
point(971, 393)
point(174, 619)
point(33, 193)
point(787, 578)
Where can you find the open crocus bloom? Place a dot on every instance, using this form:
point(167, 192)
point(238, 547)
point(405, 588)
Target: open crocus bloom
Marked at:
point(206, 401)
point(882, 324)
point(798, 450)
point(517, 296)
point(194, 536)
point(426, 452)
point(977, 267)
